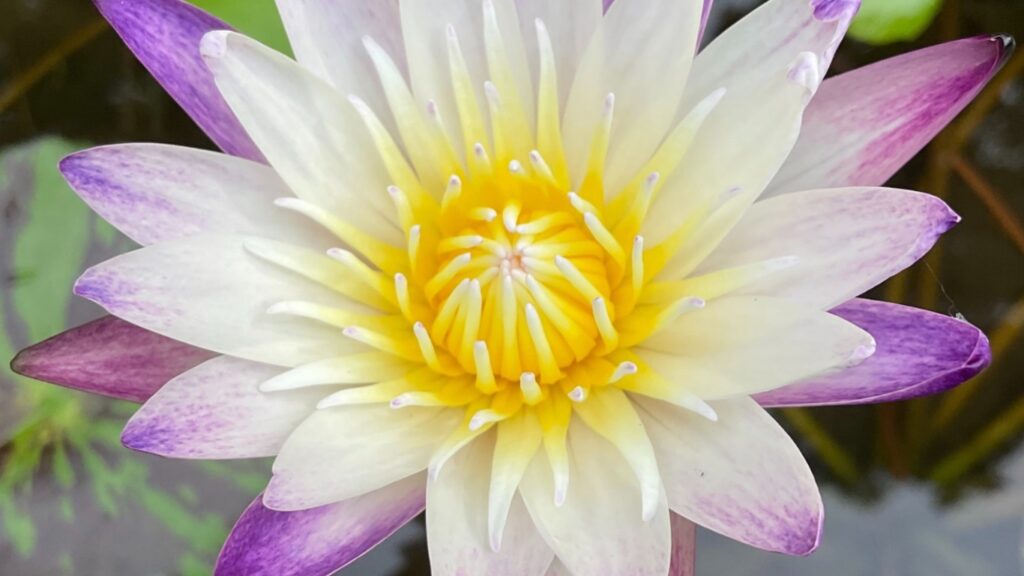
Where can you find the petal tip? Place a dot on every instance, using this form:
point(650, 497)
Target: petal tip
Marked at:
point(1006, 45)
point(833, 10)
point(214, 44)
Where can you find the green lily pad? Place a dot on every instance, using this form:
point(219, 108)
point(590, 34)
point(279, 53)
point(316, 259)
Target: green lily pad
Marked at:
point(887, 21)
point(256, 18)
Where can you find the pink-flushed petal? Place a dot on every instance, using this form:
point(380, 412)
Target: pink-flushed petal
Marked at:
point(845, 240)
point(919, 353)
point(216, 412)
point(865, 125)
point(457, 535)
point(157, 193)
point(319, 541)
point(208, 290)
point(109, 357)
point(741, 476)
point(165, 36)
point(684, 547)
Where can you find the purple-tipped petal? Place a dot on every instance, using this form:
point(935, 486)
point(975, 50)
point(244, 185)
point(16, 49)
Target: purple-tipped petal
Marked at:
point(216, 412)
point(156, 193)
point(919, 353)
point(741, 476)
point(319, 541)
point(684, 547)
point(846, 241)
point(865, 125)
point(165, 35)
point(109, 357)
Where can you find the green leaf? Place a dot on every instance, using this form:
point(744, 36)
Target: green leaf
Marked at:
point(887, 21)
point(255, 18)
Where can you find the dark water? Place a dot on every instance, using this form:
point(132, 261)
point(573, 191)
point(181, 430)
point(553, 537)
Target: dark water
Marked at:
point(930, 487)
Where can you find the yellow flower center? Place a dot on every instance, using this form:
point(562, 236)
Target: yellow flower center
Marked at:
point(517, 278)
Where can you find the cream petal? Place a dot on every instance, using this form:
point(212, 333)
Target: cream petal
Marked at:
point(743, 345)
point(327, 39)
point(341, 453)
point(215, 411)
point(599, 529)
point(845, 241)
point(457, 503)
point(768, 39)
point(156, 193)
point(741, 476)
point(309, 133)
point(734, 156)
point(570, 25)
point(425, 28)
point(208, 291)
point(641, 53)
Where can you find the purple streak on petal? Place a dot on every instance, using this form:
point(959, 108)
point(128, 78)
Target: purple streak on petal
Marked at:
point(833, 10)
point(684, 547)
point(919, 353)
point(319, 541)
point(109, 357)
point(863, 126)
point(705, 14)
point(216, 412)
point(165, 36)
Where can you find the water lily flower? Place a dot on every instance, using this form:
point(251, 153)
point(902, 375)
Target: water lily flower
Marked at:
point(536, 266)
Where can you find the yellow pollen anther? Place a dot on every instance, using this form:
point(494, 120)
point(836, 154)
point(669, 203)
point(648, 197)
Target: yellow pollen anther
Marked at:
point(447, 274)
point(482, 214)
point(532, 392)
point(426, 346)
point(549, 371)
point(609, 335)
point(604, 237)
point(510, 215)
point(622, 370)
point(485, 381)
point(577, 279)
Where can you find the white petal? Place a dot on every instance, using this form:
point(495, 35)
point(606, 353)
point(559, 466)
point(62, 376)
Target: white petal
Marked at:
point(341, 453)
point(609, 412)
point(518, 440)
point(215, 411)
point(734, 156)
point(768, 39)
point(457, 522)
point(741, 476)
point(425, 24)
point(846, 241)
point(327, 38)
point(599, 529)
point(641, 52)
point(155, 193)
point(308, 131)
point(208, 291)
point(752, 344)
point(570, 25)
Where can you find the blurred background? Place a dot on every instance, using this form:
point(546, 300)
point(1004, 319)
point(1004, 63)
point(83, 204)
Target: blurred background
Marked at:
point(929, 487)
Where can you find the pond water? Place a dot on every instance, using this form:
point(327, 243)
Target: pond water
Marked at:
point(930, 487)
